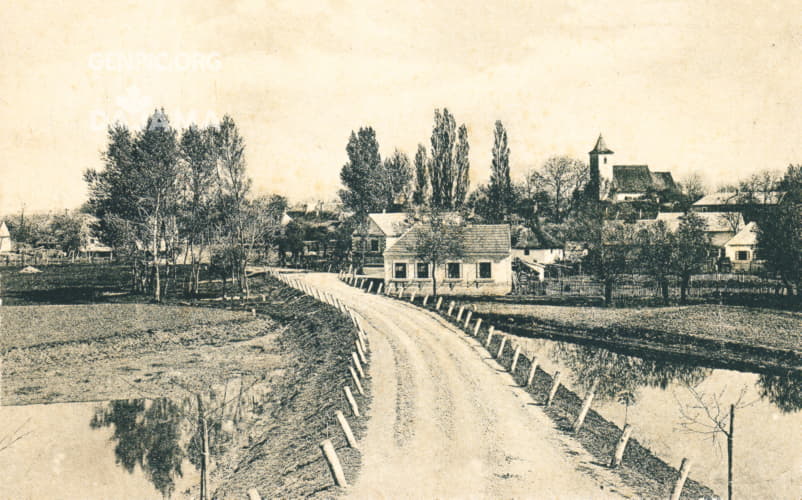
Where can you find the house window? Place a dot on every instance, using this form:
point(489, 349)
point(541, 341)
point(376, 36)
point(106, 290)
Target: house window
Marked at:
point(374, 245)
point(742, 255)
point(422, 270)
point(400, 271)
point(454, 270)
point(485, 271)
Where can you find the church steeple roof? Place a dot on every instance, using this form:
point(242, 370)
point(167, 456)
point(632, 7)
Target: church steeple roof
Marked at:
point(601, 148)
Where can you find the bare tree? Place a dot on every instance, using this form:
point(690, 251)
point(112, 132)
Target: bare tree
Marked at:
point(561, 177)
point(710, 416)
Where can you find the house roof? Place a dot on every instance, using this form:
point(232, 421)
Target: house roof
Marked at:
point(745, 237)
point(478, 239)
point(632, 178)
point(391, 224)
point(601, 147)
point(717, 222)
point(739, 198)
point(541, 239)
point(4, 231)
point(663, 181)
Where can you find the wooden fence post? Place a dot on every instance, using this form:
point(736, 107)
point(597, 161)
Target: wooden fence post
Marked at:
point(467, 319)
point(684, 469)
point(349, 436)
point(439, 303)
point(450, 308)
point(357, 364)
point(501, 347)
point(476, 327)
point(379, 290)
point(351, 401)
point(532, 371)
point(412, 297)
point(425, 300)
point(357, 383)
point(583, 412)
point(515, 356)
point(370, 287)
point(621, 446)
point(359, 351)
point(334, 463)
point(490, 336)
point(459, 313)
point(555, 384)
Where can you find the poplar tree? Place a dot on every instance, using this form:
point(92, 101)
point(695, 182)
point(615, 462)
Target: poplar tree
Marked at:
point(500, 189)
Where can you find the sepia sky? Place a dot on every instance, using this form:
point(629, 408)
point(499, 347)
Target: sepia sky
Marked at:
point(712, 87)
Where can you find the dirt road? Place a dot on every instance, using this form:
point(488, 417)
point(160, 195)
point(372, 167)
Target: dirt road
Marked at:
point(448, 422)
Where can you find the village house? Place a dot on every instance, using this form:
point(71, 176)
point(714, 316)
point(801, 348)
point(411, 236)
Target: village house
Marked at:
point(381, 232)
point(629, 182)
point(749, 204)
point(721, 226)
point(536, 252)
point(741, 250)
point(485, 267)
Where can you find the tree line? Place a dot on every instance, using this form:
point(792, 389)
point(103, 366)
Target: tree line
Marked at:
point(167, 196)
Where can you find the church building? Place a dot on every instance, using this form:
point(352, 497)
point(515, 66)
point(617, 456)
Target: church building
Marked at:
point(627, 182)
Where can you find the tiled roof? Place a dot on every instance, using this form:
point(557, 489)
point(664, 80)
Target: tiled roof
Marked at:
point(632, 178)
point(663, 181)
point(478, 239)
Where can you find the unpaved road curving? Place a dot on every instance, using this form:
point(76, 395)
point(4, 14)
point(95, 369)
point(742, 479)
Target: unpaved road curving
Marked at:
point(448, 422)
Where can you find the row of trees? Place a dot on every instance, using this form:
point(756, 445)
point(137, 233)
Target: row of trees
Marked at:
point(166, 196)
point(66, 232)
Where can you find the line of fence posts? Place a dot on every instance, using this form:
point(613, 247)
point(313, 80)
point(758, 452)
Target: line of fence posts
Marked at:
point(620, 448)
point(357, 358)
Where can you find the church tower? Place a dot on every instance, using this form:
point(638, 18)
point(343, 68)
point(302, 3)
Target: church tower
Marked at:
point(600, 159)
point(601, 167)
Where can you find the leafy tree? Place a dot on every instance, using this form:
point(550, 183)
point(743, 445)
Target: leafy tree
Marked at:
point(562, 178)
point(233, 188)
point(448, 169)
point(779, 243)
point(611, 254)
point(198, 203)
point(655, 251)
point(422, 192)
point(500, 192)
point(67, 231)
point(364, 180)
point(136, 195)
point(362, 175)
point(692, 250)
point(439, 239)
point(398, 175)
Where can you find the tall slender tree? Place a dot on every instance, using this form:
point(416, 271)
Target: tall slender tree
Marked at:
point(398, 177)
point(463, 166)
point(500, 189)
point(442, 165)
point(422, 192)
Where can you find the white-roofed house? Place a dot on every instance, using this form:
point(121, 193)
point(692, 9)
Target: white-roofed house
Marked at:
point(6, 244)
point(741, 249)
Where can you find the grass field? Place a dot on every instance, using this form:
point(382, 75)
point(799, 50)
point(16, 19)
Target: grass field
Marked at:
point(774, 329)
